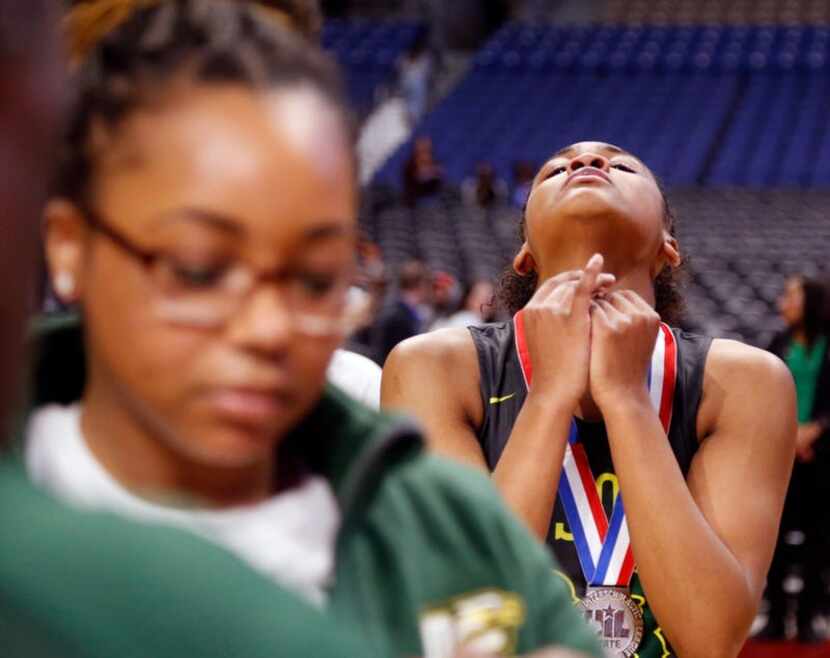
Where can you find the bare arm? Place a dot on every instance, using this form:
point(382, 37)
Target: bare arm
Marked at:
point(435, 378)
point(703, 547)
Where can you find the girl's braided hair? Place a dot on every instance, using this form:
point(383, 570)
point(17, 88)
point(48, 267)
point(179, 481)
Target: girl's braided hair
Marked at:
point(515, 290)
point(89, 21)
point(204, 41)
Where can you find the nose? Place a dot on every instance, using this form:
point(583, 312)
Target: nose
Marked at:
point(263, 324)
point(588, 160)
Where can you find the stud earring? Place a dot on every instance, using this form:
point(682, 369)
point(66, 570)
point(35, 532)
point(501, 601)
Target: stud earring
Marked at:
point(64, 284)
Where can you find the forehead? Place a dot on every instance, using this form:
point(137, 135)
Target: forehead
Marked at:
point(237, 153)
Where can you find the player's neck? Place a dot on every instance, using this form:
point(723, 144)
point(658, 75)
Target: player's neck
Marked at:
point(152, 467)
point(639, 280)
point(629, 277)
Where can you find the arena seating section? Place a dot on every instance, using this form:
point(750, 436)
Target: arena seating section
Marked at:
point(741, 12)
point(368, 51)
point(733, 118)
point(722, 105)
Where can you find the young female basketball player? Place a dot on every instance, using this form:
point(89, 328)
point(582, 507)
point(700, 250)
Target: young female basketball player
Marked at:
point(205, 226)
point(585, 395)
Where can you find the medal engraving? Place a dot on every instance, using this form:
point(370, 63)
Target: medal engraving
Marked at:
point(617, 619)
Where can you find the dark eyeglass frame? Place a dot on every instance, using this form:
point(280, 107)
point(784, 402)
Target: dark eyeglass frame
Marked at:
point(147, 257)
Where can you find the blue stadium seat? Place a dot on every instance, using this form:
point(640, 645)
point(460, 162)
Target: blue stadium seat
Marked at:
point(368, 53)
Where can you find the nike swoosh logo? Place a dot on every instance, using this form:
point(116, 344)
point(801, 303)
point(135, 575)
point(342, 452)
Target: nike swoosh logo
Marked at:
point(495, 400)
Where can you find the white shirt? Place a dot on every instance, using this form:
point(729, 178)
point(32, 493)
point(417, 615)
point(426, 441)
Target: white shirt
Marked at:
point(289, 537)
point(357, 375)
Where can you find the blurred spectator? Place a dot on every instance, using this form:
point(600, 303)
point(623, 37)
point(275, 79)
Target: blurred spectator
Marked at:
point(523, 173)
point(803, 346)
point(446, 297)
point(478, 307)
point(371, 260)
point(371, 283)
point(405, 317)
point(415, 76)
point(423, 176)
point(484, 189)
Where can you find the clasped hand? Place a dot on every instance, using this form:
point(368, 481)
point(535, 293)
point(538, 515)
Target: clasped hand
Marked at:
point(585, 338)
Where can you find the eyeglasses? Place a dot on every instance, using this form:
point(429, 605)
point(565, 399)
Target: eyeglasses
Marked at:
point(209, 296)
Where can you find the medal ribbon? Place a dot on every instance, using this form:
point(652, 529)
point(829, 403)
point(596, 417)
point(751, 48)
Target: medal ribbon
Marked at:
point(603, 545)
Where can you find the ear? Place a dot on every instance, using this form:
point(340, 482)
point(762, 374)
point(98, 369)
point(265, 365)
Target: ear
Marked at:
point(668, 256)
point(64, 232)
point(524, 263)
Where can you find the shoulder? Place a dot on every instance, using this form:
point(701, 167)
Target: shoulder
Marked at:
point(449, 481)
point(741, 381)
point(734, 362)
point(442, 350)
point(452, 502)
point(438, 372)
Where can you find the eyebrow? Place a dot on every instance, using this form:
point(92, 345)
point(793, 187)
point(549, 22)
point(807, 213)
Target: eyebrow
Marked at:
point(217, 220)
point(327, 229)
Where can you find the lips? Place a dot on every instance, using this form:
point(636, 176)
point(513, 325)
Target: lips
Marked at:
point(249, 406)
point(585, 174)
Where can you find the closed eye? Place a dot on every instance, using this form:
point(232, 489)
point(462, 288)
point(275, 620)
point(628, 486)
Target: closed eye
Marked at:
point(623, 167)
point(555, 172)
point(194, 277)
point(315, 285)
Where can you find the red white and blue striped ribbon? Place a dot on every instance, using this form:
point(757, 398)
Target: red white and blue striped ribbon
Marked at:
point(603, 545)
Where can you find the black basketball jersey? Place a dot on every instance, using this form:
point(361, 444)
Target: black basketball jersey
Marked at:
point(503, 392)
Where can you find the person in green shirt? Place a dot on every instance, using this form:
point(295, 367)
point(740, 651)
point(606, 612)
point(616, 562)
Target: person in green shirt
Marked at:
point(90, 585)
point(204, 224)
point(803, 346)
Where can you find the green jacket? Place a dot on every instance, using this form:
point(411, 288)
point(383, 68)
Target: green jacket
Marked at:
point(427, 554)
point(86, 585)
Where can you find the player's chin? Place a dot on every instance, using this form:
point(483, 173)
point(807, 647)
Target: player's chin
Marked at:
point(233, 438)
point(229, 445)
point(590, 202)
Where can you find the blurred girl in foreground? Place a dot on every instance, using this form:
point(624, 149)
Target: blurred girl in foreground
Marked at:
point(204, 224)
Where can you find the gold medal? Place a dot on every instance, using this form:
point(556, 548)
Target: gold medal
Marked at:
point(617, 619)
